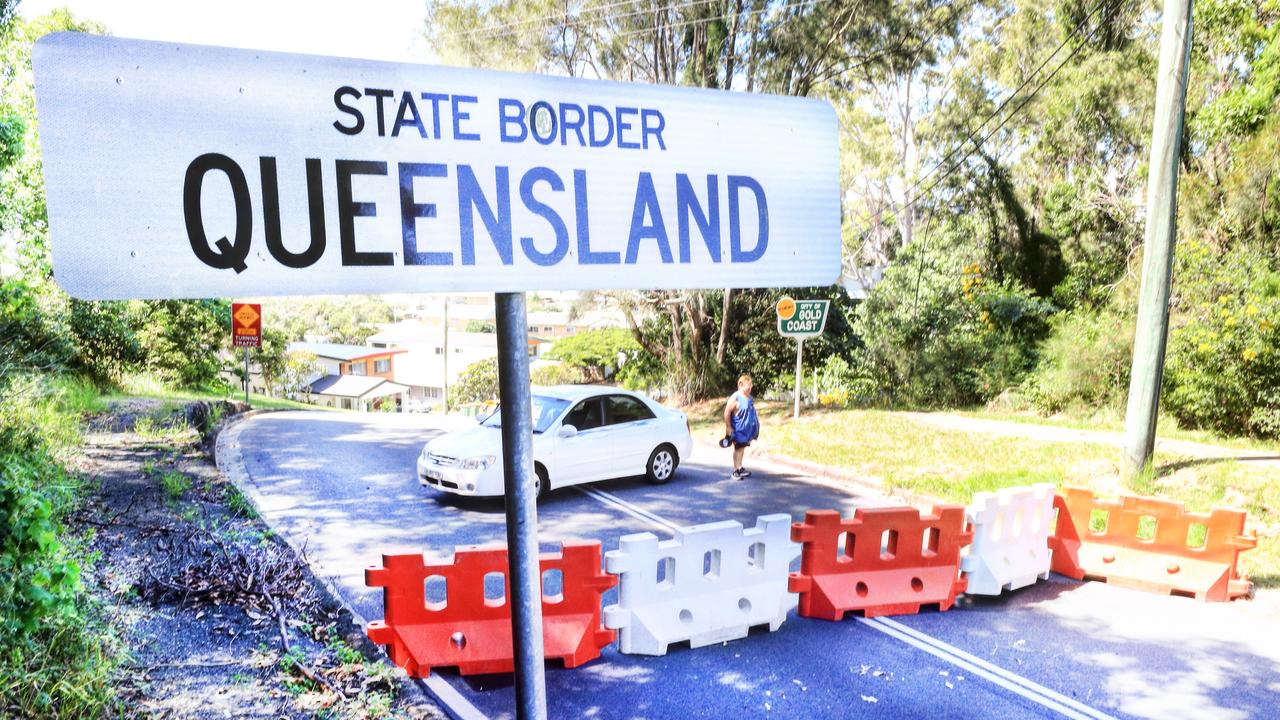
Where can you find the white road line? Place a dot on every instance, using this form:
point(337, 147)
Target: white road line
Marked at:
point(1003, 678)
point(975, 660)
point(626, 507)
point(993, 673)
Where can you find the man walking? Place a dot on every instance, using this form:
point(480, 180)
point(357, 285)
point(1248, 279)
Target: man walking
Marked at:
point(741, 424)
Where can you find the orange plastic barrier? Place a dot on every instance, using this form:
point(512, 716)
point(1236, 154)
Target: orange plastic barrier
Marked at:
point(472, 633)
point(893, 560)
point(1167, 563)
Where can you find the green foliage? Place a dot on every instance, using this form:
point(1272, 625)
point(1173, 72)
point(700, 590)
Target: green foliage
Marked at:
point(1223, 365)
point(272, 357)
point(1084, 363)
point(349, 319)
point(598, 353)
point(481, 326)
point(175, 484)
point(556, 375)
point(52, 660)
point(940, 333)
point(184, 340)
point(477, 384)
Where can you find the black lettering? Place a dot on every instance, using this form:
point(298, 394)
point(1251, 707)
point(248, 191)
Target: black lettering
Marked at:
point(230, 256)
point(410, 211)
point(348, 91)
point(349, 210)
point(382, 113)
point(271, 214)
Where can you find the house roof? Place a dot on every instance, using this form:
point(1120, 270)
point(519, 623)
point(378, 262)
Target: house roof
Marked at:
point(345, 353)
point(355, 386)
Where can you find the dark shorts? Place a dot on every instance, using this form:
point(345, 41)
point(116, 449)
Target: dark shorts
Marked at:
point(739, 445)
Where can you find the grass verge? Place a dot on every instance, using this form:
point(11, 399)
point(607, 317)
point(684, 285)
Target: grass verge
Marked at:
point(952, 465)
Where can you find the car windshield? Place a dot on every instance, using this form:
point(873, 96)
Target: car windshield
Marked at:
point(545, 411)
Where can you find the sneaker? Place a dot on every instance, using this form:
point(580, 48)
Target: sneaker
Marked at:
point(743, 472)
point(737, 475)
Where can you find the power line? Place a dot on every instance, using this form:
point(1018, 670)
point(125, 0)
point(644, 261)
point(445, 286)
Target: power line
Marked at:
point(995, 113)
point(978, 143)
point(488, 33)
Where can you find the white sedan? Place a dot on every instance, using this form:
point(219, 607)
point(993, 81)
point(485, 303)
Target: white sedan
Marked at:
point(581, 433)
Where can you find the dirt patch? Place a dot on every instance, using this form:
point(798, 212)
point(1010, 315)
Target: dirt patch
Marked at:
point(219, 617)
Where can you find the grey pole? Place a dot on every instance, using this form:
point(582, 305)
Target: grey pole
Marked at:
point(246, 376)
point(524, 580)
point(799, 354)
point(1161, 230)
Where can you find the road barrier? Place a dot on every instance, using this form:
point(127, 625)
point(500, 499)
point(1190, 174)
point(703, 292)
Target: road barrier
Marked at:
point(1150, 544)
point(882, 561)
point(468, 626)
point(708, 584)
point(1010, 546)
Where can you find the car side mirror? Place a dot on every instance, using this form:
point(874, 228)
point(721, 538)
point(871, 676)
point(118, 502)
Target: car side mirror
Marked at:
point(567, 431)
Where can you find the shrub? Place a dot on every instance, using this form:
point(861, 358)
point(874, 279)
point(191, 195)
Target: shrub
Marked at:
point(945, 334)
point(1084, 363)
point(1223, 364)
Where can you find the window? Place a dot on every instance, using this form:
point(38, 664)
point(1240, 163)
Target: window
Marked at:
point(346, 404)
point(569, 330)
point(382, 366)
point(379, 344)
point(431, 392)
point(625, 409)
point(586, 415)
point(439, 351)
point(546, 329)
point(359, 368)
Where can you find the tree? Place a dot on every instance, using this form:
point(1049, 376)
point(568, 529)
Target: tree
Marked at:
point(481, 326)
point(599, 353)
point(477, 384)
point(272, 357)
point(299, 369)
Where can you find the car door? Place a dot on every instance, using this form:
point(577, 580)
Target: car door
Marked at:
point(585, 456)
point(632, 432)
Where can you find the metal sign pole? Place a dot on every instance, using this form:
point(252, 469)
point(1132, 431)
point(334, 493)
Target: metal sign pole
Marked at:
point(246, 376)
point(799, 353)
point(524, 582)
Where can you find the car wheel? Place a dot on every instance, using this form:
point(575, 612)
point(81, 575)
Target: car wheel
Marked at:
point(662, 465)
point(544, 484)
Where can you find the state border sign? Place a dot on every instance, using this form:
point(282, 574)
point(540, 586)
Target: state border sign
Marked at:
point(802, 318)
point(189, 171)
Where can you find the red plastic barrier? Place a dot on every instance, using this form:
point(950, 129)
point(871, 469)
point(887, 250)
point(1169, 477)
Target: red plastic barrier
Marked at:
point(894, 560)
point(472, 633)
point(1167, 563)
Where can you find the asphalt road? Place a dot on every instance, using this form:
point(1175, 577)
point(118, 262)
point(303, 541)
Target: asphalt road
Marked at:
point(343, 486)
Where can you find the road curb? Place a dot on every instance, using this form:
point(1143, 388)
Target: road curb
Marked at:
point(225, 441)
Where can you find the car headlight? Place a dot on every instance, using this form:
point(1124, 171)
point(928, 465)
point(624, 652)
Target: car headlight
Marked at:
point(481, 462)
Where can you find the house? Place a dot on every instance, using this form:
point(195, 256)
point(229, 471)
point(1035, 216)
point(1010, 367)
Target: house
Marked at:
point(353, 377)
point(426, 366)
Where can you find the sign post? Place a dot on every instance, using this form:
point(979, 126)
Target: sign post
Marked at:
point(246, 332)
point(801, 319)
point(217, 172)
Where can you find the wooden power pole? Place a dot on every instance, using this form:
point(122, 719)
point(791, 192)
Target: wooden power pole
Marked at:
point(1161, 228)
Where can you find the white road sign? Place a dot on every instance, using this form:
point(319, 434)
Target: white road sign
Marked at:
point(189, 171)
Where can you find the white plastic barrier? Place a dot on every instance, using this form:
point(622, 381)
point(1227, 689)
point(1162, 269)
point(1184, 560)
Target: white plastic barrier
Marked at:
point(708, 584)
point(1010, 546)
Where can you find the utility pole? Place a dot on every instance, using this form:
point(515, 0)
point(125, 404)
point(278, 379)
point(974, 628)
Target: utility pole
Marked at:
point(1161, 228)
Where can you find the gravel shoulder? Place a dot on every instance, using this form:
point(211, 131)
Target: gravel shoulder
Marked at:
point(216, 616)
